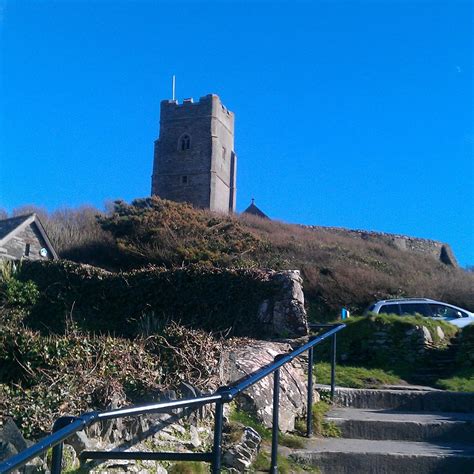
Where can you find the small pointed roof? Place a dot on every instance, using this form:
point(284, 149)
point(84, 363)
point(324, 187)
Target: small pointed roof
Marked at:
point(255, 211)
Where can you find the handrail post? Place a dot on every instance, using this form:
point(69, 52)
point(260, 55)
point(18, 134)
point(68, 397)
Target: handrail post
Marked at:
point(276, 408)
point(57, 457)
point(333, 366)
point(217, 447)
point(309, 409)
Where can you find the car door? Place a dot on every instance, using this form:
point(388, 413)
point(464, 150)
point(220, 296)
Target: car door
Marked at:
point(446, 313)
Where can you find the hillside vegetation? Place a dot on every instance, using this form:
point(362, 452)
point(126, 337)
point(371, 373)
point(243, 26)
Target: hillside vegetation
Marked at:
point(59, 362)
point(338, 269)
point(74, 337)
point(343, 270)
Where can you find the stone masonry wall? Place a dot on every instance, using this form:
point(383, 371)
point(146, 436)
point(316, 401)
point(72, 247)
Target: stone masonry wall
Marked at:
point(204, 174)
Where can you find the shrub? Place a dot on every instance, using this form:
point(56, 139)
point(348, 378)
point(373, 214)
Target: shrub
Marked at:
point(340, 268)
point(13, 292)
point(44, 377)
point(157, 231)
point(19, 294)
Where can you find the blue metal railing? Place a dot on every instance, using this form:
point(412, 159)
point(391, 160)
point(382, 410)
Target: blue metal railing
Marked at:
point(66, 426)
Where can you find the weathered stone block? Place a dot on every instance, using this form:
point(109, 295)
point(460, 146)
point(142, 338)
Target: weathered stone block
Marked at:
point(258, 399)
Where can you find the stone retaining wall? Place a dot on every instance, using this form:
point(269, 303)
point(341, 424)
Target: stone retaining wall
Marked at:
point(438, 250)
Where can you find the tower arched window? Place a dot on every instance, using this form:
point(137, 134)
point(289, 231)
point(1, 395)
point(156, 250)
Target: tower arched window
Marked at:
point(184, 142)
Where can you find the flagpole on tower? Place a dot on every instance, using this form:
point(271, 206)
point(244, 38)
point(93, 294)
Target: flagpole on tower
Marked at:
point(174, 87)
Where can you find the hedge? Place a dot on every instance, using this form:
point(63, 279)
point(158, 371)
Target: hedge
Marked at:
point(127, 304)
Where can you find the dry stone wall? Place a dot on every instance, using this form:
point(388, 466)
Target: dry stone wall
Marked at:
point(438, 250)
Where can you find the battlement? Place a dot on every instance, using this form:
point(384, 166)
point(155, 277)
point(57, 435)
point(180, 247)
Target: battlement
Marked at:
point(208, 105)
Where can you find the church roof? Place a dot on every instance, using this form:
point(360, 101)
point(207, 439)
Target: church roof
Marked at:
point(255, 211)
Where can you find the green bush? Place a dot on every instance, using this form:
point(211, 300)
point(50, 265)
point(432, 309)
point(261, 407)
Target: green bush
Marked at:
point(340, 268)
point(19, 294)
point(15, 293)
point(153, 230)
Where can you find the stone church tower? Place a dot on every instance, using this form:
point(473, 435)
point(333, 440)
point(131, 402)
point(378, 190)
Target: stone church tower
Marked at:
point(194, 159)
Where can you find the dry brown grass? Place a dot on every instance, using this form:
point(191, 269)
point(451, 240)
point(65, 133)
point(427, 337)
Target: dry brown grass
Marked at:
point(344, 270)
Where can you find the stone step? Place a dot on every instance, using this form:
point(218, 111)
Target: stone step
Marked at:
point(351, 456)
point(424, 399)
point(396, 425)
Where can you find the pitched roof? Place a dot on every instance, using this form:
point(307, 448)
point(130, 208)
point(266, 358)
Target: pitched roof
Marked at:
point(13, 225)
point(254, 210)
point(7, 226)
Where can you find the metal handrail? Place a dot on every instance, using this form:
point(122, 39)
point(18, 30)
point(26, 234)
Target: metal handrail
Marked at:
point(66, 426)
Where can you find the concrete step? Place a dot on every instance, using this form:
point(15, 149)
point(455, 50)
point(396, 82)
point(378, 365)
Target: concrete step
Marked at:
point(354, 456)
point(424, 399)
point(397, 425)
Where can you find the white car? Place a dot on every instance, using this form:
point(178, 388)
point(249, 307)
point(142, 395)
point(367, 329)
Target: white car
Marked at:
point(425, 307)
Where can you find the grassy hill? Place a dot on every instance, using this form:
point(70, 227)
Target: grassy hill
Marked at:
point(339, 268)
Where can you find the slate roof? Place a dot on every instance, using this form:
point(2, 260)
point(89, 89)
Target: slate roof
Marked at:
point(255, 211)
point(7, 226)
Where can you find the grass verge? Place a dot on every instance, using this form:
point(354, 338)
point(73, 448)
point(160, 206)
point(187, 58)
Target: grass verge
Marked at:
point(285, 465)
point(189, 467)
point(461, 381)
point(321, 427)
point(355, 377)
point(285, 439)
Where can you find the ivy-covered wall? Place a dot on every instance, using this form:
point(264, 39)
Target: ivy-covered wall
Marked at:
point(144, 300)
point(387, 340)
point(465, 357)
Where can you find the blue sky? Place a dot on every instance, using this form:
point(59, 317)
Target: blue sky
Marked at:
point(356, 114)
